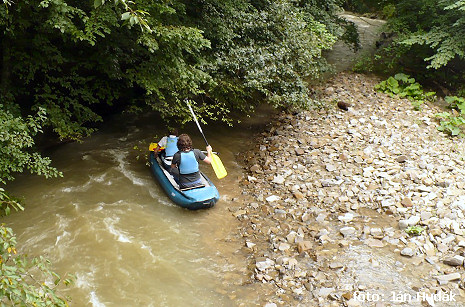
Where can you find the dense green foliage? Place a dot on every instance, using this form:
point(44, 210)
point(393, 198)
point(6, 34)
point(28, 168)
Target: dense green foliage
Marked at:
point(266, 50)
point(437, 25)
point(16, 135)
point(26, 281)
point(70, 62)
point(426, 38)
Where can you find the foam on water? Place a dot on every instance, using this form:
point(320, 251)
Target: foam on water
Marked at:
point(119, 157)
point(120, 235)
point(94, 300)
point(89, 183)
point(86, 282)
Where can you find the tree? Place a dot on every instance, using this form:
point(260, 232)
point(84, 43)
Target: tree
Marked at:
point(261, 51)
point(429, 40)
point(442, 30)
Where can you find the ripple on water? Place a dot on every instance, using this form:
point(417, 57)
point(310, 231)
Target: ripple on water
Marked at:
point(120, 156)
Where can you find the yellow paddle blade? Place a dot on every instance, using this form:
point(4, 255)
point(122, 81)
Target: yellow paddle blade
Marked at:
point(152, 146)
point(218, 167)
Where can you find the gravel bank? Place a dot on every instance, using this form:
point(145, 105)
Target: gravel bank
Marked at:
point(332, 193)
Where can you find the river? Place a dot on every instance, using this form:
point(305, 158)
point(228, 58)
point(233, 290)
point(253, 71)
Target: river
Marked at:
point(108, 221)
point(111, 225)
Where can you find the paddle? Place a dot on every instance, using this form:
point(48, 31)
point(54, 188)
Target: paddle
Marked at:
point(217, 165)
point(154, 146)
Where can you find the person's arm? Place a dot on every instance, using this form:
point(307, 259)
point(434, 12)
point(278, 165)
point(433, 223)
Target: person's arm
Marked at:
point(161, 143)
point(208, 158)
point(175, 161)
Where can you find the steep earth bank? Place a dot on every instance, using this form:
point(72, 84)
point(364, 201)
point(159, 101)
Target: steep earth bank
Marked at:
point(331, 193)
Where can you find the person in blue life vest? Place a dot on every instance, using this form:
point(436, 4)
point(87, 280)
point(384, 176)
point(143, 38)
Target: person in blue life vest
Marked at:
point(169, 142)
point(185, 165)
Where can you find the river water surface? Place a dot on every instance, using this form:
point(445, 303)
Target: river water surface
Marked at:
point(108, 222)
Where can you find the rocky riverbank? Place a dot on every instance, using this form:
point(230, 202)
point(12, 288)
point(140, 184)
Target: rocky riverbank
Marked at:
point(363, 207)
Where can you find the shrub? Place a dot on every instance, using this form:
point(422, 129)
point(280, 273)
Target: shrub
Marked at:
point(26, 281)
point(404, 86)
point(453, 123)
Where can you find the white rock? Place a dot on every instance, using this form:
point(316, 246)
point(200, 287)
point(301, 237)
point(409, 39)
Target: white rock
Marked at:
point(272, 198)
point(413, 220)
point(347, 231)
point(346, 217)
point(444, 279)
point(265, 264)
point(408, 252)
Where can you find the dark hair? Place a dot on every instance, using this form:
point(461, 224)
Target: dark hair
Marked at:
point(174, 131)
point(184, 142)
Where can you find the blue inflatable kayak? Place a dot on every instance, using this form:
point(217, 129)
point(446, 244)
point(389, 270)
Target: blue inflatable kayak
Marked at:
point(201, 197)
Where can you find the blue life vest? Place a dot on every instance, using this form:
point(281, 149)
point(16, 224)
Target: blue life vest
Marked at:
point(171, 146)
point(188, 163)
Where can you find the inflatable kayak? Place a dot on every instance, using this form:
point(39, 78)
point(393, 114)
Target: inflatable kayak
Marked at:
point(201, 197)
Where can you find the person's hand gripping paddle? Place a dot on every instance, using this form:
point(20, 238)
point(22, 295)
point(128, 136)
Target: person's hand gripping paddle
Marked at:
point(217, 165)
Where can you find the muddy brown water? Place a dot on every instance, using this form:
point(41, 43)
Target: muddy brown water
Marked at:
point(109, 223)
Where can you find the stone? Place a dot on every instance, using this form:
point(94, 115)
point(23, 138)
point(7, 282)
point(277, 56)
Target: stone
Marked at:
point(406, 202)
point(335, 265)
point(353, 303)
point(343, 105)
point(374, 242)
point(304, 246)
point(454, 261)
point(256, 168)
point(284, 246)
point(298, 195)
point(278, 179)
point(376, 232)
point(346, 217)
point(401, 159)
point(403, 224)
point(272, 198)
point(444, 279)
point(436, 232)
point(347, 231)
point(407, 252)
point(250, 244)
point(330, 167)
point(413, 220)
point(324, 292)
point(263, 264)
point(239, 213)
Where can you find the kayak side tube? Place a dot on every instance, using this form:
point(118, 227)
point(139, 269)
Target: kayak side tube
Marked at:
point(193, 199)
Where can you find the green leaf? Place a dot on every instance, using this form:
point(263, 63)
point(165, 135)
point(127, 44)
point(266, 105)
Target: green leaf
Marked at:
point(403, 77)
point(125, 16)
point(97, 3)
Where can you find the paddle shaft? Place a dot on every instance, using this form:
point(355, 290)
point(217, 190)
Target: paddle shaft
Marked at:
point(216, 163)
point(197, 122)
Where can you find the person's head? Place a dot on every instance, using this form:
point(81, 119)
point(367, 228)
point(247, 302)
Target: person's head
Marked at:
point(184, 142)
point(174, 131)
